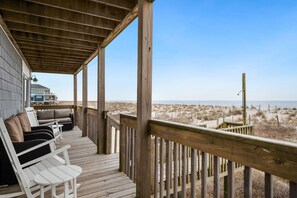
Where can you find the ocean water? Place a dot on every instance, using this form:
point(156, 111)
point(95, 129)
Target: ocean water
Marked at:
point(263, 104)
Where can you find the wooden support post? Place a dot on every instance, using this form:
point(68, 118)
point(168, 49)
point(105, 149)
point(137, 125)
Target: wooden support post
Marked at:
point(144, 99)
point(28, 92)
point(243, 99)
point(101, 133)
point(85, 100)
point(75, 99)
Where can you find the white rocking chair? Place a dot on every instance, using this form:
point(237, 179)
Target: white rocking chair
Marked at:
point(34, 122)
point(25, 172)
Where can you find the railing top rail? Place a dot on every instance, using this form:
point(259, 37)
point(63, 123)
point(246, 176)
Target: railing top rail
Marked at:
point(113, 119)
point(272, 156)
point(132, 117)
point(40, 107)
point(237, 127)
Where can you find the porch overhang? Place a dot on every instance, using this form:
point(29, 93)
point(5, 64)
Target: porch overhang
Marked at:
point(56, 36)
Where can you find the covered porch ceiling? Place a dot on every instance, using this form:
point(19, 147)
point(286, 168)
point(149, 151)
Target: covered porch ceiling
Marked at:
point(55, 36)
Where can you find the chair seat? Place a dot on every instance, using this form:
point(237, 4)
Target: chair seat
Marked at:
point(33, 170)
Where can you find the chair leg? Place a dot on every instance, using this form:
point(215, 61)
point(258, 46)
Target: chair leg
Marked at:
point(74, 188)
point(54, 191)
point(41, 191)
point(66, 190)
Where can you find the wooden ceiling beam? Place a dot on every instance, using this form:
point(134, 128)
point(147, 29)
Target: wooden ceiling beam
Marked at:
point(54, 57)
point(57, 51)
point(126, 5)
point(42, 43)
point(50, 39)
point(63, 54)
point(85, 7)
point(51, 32)
point(37, 60)
point(54, 46)
point(53, 24)
point(125, 22)
point(56, 14)
point(45, 65)
point(69, 71)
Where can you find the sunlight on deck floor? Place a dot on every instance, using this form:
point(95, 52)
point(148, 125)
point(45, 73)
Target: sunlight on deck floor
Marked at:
point(100, 176)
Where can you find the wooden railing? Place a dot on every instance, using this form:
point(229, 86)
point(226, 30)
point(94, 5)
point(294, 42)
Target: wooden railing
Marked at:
point(229, 125)
point(127, 145)
point(112, 128)
point(181, 150)
point(247, 129)
point(112, 135)
point(46, 107)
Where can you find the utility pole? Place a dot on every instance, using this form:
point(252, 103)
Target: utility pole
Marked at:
point(243, 99)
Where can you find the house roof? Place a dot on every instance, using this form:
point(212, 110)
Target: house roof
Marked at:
point(38, 86)
point(57, 36)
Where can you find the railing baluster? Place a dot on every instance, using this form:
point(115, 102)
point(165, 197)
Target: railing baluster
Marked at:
point(216, 177)
point(168, 167)
point(133, 154)
point(161, 168)
point(293, 190)
point(247, 182)
point(193, 172)
point(184, 171)
point(231, 167)
point(175, 179)
point(268, 185)
point(127, 151)
point(187, 156)
point(204, 175)
point(156, 167)
point(115, 140)
point(199, 165)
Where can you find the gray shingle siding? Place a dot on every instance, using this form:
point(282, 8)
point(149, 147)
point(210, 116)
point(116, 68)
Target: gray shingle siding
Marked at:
point(10, 78)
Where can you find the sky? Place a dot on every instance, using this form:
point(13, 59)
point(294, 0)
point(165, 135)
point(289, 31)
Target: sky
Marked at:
point(200, 50)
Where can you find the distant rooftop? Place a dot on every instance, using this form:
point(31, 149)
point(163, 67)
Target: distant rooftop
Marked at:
point(38, 86)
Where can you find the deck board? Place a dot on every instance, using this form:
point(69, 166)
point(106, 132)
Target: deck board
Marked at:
point(100, 176)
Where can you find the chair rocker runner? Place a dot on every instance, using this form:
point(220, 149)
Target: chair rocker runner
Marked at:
point(34, 122)
point(26, 172)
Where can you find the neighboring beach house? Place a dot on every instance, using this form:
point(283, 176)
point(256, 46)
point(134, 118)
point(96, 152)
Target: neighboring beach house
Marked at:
point(136, 156)
point(40, 93)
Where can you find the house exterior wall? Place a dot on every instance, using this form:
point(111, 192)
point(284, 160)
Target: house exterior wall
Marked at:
point(11, 101)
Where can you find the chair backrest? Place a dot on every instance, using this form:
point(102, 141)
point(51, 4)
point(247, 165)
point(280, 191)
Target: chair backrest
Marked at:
point(32, 116)
point(14, 160)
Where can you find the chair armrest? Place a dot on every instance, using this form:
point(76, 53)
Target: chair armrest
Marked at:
point(60, 150)
point(36, 147)
point(41, 128)
point(46, 135)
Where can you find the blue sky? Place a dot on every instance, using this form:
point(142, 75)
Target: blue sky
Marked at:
point(200, 49)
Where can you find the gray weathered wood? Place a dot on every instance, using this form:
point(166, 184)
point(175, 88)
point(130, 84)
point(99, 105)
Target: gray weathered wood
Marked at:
point(268, 186)
point(156, 173)
point(184, 168)
point(216, 177)
point(144, 99)
point(175, 178)
point(168, 167)
point(231, 167)
point(122, 145)
point(256, 152)
point(204, 175)
point(101, 133)
point(247, 182)
point(161, 168)
point(85, 100)
point(193, 172)
point(293, 190)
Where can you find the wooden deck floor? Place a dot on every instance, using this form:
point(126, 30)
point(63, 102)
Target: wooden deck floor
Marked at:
point(100, 176)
